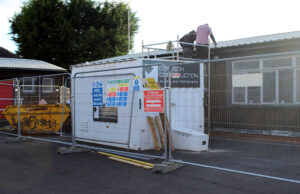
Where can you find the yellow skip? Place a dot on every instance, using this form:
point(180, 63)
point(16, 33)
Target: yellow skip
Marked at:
point(37, 118)
point(128, 159)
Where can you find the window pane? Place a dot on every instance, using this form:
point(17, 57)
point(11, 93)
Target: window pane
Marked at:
point(298, 85)
point(269, 87)
point(28, 84)
point(253, 95)
point(247, 80)
point(298, 61)
point(246, 65)
point(285, 86)
point(284, 62)
point(47, 85)
point(239, 94)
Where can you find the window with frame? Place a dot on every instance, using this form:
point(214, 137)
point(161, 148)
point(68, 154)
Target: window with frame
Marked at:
point(28, 85)
point(297, 85)
point(47, 85)
point(266, 81)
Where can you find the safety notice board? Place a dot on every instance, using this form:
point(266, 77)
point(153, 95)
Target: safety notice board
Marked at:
point(154, 101)
point(117, 93)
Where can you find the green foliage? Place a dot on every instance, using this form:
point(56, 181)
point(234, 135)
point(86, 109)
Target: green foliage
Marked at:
point(73, 31)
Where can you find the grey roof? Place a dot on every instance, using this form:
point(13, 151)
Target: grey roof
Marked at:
point(28, 64)
point(6, 53)
point(122, 58)
point(222, 44)
point(259, 39)
point(118, 58)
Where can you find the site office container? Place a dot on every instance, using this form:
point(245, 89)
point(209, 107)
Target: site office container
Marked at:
point(124, 123)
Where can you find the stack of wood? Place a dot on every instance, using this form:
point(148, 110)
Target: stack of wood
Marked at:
point(158, 132)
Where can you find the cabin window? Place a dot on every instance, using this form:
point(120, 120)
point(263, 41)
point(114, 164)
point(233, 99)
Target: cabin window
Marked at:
point(239, 94)
point(298, 61)
point(269, 87)
point(266, 81)
point(253, 94)
point(28, 85)
point(285, 86)
point(47, 85)
point(280, 62)
point(298, 85)
point(246, 87)
point(246, 65)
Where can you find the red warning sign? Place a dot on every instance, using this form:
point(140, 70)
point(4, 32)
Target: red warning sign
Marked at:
point(154, 101)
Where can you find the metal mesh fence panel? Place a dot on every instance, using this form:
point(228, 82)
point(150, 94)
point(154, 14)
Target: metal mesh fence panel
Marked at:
point(110, 110)
point(36, 109)
point(253, 124)
point(43, 110)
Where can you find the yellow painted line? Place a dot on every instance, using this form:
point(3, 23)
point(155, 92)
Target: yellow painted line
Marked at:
point(128, 159)
point(129, 162)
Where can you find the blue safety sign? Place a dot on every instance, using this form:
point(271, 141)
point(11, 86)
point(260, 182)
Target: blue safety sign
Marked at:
point(97, 94)
point(136, 86)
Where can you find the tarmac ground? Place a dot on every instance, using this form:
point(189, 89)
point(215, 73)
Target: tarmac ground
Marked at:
point(35, 167)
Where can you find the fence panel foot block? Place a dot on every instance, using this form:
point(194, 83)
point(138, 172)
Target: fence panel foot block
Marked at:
point(71, 150)
point(17, 140)
point(166, 167)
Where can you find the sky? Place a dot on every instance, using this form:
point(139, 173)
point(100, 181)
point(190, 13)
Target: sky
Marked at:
point(163, 20)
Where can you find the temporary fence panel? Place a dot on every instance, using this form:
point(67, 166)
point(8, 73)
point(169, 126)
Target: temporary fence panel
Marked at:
point(102, 111)
point(108, 106)
point(253, 118)
point(187, 108)
point(254, 114)
point(186, 99)
point(98, 118)
point(39, 110)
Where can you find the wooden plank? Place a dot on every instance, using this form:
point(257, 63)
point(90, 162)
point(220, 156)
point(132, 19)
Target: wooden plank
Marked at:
point(160, 131)
point(162, 118)
point(129, 162)
point(153, 133)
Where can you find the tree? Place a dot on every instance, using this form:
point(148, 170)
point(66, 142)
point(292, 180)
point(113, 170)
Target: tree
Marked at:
point(74, 31)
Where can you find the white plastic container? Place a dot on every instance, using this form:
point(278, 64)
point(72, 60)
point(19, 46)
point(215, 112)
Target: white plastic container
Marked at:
point(187, 139)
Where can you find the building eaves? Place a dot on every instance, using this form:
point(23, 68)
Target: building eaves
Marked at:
point(28, 64)
point(258, 39)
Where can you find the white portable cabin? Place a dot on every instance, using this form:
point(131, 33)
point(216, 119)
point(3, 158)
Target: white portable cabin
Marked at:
point(124, 124)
